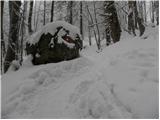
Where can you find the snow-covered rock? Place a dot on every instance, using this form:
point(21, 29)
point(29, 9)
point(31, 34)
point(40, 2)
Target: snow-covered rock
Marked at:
point(56, 41)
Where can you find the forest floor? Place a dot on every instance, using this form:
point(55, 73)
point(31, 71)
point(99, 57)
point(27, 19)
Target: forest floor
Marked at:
point(121, 81)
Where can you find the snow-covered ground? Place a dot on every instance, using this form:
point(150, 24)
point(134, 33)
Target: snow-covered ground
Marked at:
point(119, 82)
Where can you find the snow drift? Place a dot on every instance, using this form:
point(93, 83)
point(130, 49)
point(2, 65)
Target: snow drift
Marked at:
point(119, 82)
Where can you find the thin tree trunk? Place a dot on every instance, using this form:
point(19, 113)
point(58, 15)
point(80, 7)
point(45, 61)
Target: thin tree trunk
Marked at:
point(157, 12)
point(95, 17)
point(44, 15)
point(30, 18)
point(22, 33)
point(93, 28)
point(37, 16)
point(25, 15)
point(2, 39)
point(35, 12)
point(131, 27)
point(136, 13)
point(152, 11)
point(52, 11)
point(89, 33)
point(81, 19)
point(145, 12)
point(70, 16)
point(14, 8)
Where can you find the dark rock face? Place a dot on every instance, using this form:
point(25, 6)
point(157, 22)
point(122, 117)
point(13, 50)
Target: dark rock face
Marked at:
point(48, 50)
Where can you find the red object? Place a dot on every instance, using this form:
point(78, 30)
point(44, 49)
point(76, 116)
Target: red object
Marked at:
point(68, 39)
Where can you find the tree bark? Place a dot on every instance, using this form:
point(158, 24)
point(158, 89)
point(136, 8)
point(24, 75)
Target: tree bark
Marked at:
point(93, 28)
point(30, 18)
point(111, 21)
point(14, 8)
point(157, 12)
point(136, 14)
point(25, 15)
point(69, 17)
point(37, 16)
point(81, 20)
point(2, 39)
point(131, 27)
point(52, 11)
point(89, 33)
point(44, 15)
point(145, 12)
point(95, 17)
point(152, 11)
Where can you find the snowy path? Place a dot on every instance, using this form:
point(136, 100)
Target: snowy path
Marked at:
point(79, 95)
point(120, 82)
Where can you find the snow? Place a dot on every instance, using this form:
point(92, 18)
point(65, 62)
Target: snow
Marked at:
point(14, 66)
point(52, 28)
point(121, 81)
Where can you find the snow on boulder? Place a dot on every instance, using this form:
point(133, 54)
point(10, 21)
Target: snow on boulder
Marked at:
point(55, 42)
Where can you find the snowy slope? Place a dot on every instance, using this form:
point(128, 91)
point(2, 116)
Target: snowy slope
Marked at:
point(119, 82)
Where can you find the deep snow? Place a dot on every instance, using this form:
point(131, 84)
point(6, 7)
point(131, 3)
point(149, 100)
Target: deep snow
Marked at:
point(52, 29)
point(121, 81)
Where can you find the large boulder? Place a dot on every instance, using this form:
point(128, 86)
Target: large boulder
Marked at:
point(55, 42)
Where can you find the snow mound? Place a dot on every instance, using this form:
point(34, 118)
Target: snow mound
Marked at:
point(52, 29)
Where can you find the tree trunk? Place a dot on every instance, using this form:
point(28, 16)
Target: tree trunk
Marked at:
point(2, 39)
point(89, 33)
point(44, 14)
point(93, 28)
point(95, 17)
point(25, 15)
point(34, 15)
point(157, 12)
point(131, 26)
point(30, 18)
point(145, 12)
point(136, 14)
point(111, 21)
point(52, 11)
point(81, 20)
point(37, 19)
point(14, 8)
point(152, 11)
point(69, 17)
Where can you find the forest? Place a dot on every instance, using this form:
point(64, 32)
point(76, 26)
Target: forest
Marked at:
point(20, 19)
point(79, 59)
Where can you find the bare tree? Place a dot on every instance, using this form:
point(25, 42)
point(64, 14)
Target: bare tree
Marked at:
point(89, 33)
point(2, 39)
point(92, 22)
point(157, 11)
point(25, 15)
point(81, 19)
point(52, 11)
point(30, 18)
point(135, 13)
point(37, 16)
point(44, 13)
point(96, 24)
point(14, 8)
point(131, 26)
point(70, 12)
point(152, 3)
point(145, 12)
